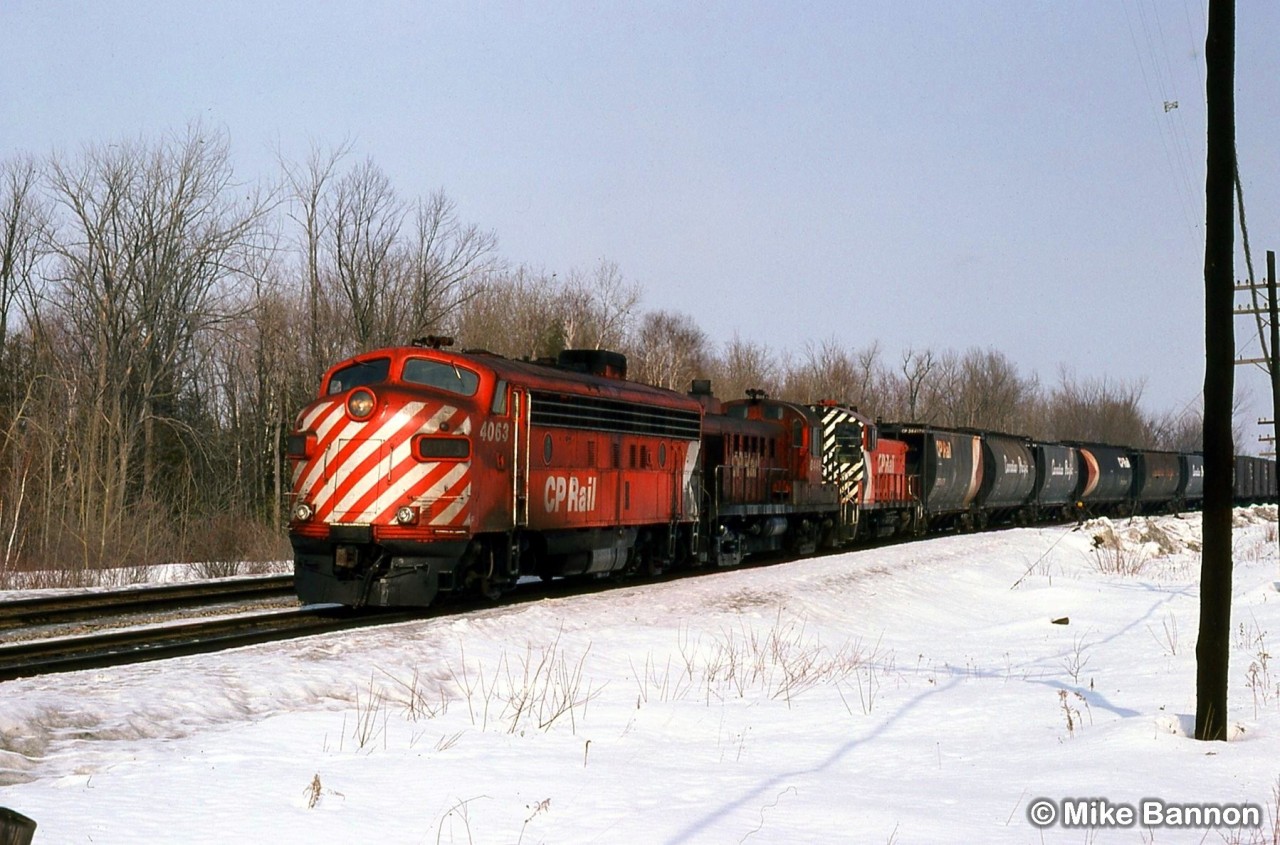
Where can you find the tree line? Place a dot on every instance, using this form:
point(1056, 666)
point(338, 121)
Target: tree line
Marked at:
point(162, 322)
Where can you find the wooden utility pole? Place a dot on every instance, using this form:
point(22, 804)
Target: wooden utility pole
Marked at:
point(1274, 364)
point(1213, 646)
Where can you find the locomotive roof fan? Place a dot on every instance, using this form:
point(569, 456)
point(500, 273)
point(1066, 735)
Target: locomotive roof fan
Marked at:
point(597, 362)
point(433, 341)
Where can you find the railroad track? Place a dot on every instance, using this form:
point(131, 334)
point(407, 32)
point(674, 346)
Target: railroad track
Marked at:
point(50, 655)
point(18, 613)
point(139, 645)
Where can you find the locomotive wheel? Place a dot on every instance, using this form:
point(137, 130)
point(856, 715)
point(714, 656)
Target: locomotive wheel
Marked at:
point(652, 565)
point(477, 574)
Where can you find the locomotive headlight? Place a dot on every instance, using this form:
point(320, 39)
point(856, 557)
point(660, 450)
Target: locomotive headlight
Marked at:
point(302, 512)
point(406, 515)
point(360, 404)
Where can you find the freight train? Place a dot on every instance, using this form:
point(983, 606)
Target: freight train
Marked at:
point(421, 471)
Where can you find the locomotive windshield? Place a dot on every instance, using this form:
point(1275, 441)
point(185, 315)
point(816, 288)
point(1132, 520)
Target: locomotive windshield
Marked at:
point(440, 375)
point(848, 442)
point(358, 375)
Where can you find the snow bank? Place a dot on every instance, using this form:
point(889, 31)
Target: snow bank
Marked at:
point(923, 692)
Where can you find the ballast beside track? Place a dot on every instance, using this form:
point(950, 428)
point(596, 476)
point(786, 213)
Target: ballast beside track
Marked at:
point(51, 655)
point(139, 645)
point(41, 611)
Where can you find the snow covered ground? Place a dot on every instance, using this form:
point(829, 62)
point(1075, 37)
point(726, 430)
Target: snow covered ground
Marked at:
point(919, 693)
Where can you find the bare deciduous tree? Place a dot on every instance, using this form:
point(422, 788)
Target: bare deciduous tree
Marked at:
point(23, 220)
point(996, 395)
point(1099, 410)
point(744, 365)
point(308, 187)
point(379, 270)
point(513, 313)
point(529, 314)
point(669, 350)
point(916, 368)
point(598, 307)
point(22, 226)
point(1182, 432)
point(979, 389)
point(830, 371)
point(362, 227)
point(442, 266)
point(149, 239)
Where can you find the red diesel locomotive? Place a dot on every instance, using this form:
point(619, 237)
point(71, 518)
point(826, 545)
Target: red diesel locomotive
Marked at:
point(420, 470)
point(762, 474)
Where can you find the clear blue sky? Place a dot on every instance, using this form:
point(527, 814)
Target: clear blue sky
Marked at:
point(933, 174)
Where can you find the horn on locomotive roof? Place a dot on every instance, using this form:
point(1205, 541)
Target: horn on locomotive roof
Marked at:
point(434, 341)
point(755, 394)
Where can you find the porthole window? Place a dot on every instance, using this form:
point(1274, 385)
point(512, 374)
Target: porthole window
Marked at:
point(662, 455)
point(546, 450)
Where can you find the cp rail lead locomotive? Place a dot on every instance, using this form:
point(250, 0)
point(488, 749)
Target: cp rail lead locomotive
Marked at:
point(419, 471)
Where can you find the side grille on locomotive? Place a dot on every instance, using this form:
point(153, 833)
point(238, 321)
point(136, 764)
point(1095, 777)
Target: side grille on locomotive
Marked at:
point(613, 415)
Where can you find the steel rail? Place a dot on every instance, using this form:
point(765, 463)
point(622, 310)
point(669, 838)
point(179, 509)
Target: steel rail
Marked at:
point(158, 642)
point(140, 645)
point(46, 610)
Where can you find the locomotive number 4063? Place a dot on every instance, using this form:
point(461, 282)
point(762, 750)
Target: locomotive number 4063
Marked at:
point(495, 431)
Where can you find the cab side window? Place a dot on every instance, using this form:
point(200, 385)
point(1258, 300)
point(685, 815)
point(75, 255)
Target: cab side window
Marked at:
point(499, 406)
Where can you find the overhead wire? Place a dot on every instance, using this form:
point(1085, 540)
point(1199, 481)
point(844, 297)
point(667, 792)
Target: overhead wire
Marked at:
point(1177, 146)
point(1182, 144)
point(1163, 101)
